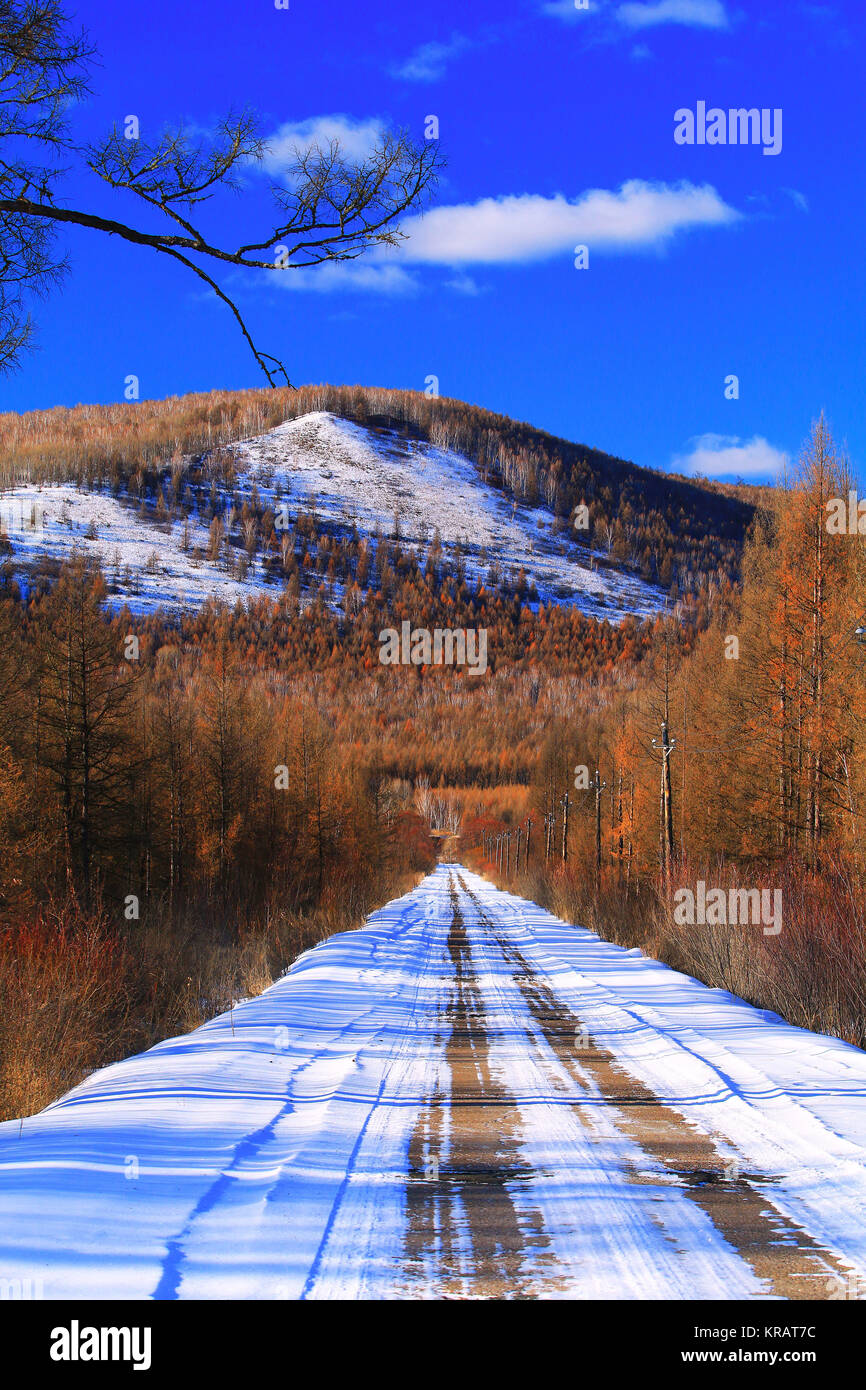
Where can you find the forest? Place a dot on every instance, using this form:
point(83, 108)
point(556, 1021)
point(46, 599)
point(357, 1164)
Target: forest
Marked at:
point(188, 802)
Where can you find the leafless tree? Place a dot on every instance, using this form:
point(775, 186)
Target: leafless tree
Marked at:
point(330, 207)
point(424, 799)
point(42, 69)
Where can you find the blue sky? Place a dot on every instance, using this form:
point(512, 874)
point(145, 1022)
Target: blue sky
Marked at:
point(558, 129)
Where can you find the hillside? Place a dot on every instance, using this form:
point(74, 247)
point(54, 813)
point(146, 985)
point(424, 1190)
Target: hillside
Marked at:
point(231, 495)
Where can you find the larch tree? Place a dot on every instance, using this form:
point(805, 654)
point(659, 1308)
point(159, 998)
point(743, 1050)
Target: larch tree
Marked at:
point(85, 693)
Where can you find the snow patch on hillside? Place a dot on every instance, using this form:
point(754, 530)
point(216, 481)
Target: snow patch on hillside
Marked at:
point(145, 563)
point(370, 477)
point(348, 474)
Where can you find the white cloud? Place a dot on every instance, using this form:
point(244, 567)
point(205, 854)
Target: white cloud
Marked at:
point(797, 197)
point(646, 14)
point(723, 455)
point(345, 276)
point(699, 14)
point(529, 227)
point(428, 62)
point(513, 230)
point(463, 284)
point(357, 138)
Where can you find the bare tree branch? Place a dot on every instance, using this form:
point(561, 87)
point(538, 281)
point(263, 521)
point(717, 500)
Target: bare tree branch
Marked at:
point(276, 369)
point(41, 73)
point(330, 208)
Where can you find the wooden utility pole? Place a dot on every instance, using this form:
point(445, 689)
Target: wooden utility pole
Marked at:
point(599, 788)
point(666, 808)
point(786, 688)
point(519, 837)
point(528, 836)
point(565, 803)
point(630, 840)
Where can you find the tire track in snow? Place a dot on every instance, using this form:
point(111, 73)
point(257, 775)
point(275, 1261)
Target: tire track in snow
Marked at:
point(465, 1233)
point(784, 1256)
point(179, 1252)
point(591, 1232)
point(355, 1256)
point(527, 1206)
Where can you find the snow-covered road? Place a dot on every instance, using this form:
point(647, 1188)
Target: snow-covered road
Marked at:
point(467, 1098)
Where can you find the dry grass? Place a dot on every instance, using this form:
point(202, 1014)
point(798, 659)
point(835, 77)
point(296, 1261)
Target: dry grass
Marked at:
point(813, 973)
point(78, 995)
point(63, 982)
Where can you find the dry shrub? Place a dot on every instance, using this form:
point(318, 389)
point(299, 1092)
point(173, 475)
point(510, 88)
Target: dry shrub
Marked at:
point(813, 973)
point(77, 994)
point(64, 982)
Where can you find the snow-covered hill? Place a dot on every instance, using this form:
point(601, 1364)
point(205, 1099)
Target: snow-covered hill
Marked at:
point(375, 479)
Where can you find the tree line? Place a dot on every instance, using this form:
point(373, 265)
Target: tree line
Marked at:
point(739, 762)
point(675, 532)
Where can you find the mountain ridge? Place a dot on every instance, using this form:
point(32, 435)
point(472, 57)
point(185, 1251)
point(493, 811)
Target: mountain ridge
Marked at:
point(180, 458)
